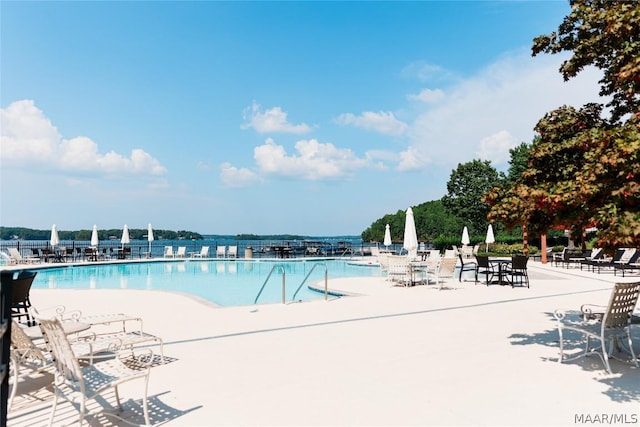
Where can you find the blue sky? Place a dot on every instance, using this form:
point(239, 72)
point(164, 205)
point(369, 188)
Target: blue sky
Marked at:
point(312, 118)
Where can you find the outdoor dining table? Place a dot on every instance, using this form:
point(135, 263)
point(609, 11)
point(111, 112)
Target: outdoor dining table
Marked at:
point(415, 268)
point(282, 251)
point(91, 254)
point(503, 264)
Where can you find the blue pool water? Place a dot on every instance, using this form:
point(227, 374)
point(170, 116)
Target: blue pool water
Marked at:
point(226, 283)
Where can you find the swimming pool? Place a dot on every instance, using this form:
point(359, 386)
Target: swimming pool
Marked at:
point(223, 282)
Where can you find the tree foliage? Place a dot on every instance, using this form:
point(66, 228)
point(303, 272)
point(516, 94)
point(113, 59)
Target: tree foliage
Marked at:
point(466, 187)
point(8, 233)
point(581, 173)
point(518, 161)
point(583, 169)
point(604, 34)
point(431, 218)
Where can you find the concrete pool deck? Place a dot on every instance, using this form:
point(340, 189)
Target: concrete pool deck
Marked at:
point(465, 355)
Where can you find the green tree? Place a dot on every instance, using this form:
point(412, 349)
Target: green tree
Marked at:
point(584, 168)
point(466, 187)
point(432, 221)
point(518, 161)
point(604, 34)
point(547, 193)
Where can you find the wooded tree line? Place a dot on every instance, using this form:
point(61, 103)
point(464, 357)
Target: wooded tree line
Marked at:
point(582, 168)
point(8, 233)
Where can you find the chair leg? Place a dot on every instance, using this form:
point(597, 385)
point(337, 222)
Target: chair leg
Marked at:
point(561, 357)
point(83, 409)
point(115, 389)
point(13, 373)
point(630, 344)
point(145, 404)
point(53, 409)
point(605, 356)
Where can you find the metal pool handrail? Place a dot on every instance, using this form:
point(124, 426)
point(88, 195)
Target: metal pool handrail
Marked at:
point(326, 270)
point(284, 274)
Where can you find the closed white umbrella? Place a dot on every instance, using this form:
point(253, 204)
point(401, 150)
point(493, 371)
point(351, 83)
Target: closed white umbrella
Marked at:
point(94, 236)
point(387, 236)
point(465, 236)
point(490, 238)
point(125, 236)
point(150, 237)
point(55, 241)
point(410, 235)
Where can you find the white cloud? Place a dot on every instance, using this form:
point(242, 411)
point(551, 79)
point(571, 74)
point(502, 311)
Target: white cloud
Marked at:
point(498, 108)
point(232, 176)
point(382, 122)
point(429, 96)
point(313, 161)
point(423, 71)
point(412, 159)
point(496, 147)
point(29, 138)
point(270, 121)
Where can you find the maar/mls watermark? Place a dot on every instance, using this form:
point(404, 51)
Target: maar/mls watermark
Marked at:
point(606, 418)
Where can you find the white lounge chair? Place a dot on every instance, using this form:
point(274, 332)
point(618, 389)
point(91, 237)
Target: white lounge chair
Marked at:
point(204, 253)
point(168, 252)
point(7, 258)
point(233, 252)
point(79, 384)
point(19, 259)
point(221, 251)
point(607, 324)
point(182, 252)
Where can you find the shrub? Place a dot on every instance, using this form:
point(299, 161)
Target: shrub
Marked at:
point(504, 249)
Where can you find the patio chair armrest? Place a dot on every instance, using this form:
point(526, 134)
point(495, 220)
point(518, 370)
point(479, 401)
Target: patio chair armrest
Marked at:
point(61, 312)
point(592, 311)
point(561, 313)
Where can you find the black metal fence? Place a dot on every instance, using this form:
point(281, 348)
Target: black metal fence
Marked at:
point(73, 251)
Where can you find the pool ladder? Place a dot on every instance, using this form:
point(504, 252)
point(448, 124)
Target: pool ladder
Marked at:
point(284, 282)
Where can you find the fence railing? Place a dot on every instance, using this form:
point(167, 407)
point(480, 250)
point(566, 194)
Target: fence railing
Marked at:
point(142, 249)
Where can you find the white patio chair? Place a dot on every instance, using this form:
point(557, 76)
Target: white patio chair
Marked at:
point(233, 252)
point(28, 358)
point(398, 269)
point(168, 252)
point(182, 252)
point(204, 253)
point(608, 326)
point(122, 330)
point(221, 251)
point(445, 270)
point(383, 260)
point(78, 384)
point(432, 263)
